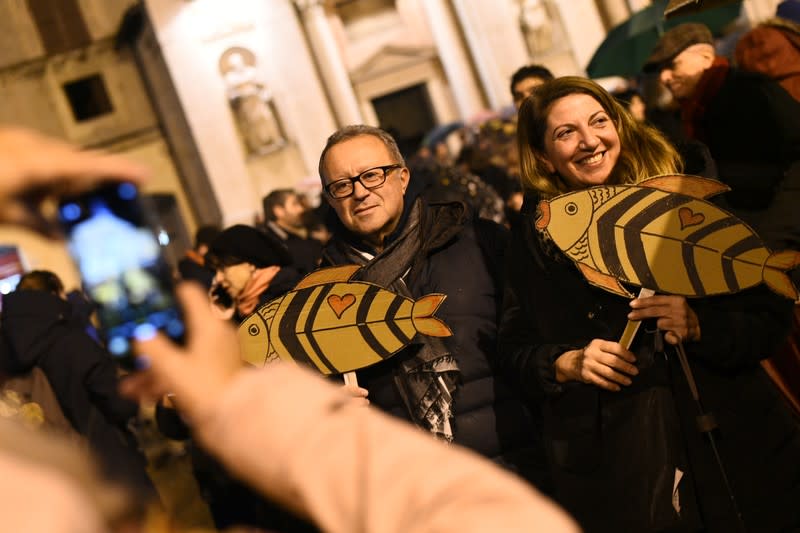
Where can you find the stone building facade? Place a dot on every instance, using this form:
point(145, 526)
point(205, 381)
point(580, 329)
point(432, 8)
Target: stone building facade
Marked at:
point(153, 79)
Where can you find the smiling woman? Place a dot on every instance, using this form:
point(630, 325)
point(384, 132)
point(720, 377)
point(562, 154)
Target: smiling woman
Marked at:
point(587, 138)
point(581, 140)
point(559, 338)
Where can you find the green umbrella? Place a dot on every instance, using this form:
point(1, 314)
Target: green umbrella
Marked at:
point(627, 46)
point(676, 8)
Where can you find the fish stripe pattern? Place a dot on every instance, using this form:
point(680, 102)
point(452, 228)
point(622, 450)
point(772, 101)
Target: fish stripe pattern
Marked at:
point(391, 321)
point(631, 238)
point(732, 254)
point(691, 248)
point(321, 297)
point(704, 231)
point(607, 217)
point(687, 252)
point(634, 243)
point(286, 329)
point(667, 241)
point(638, 217)
point(337, 325)
point(363, 327)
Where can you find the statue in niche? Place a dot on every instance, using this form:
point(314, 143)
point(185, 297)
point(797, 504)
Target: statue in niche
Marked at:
point(251, 102)
point(536, 26)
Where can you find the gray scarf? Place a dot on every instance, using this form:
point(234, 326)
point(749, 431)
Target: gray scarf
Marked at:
point(427, 380)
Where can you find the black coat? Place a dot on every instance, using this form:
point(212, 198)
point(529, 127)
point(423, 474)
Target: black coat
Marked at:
point(37, 330)
point(488, 418)
point(751, 125)
point(305, 253)
point(550, 308)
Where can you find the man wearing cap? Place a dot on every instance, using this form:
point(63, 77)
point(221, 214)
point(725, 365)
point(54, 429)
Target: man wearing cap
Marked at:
point(750, 124)
point(445, 386)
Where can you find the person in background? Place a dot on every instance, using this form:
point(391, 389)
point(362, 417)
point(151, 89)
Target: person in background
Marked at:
point(251, 269)
point(773, 48)
point(192, 267)
point(526, 79)
point(631, 100)
point(620, 425)
point(39, 330)
point(286, 222)
point(756, 148)
point(523, 82)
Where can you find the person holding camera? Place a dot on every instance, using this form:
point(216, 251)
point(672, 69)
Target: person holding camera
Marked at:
point(251, 267)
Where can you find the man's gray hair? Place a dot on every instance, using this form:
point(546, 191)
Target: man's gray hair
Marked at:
point(348, 132)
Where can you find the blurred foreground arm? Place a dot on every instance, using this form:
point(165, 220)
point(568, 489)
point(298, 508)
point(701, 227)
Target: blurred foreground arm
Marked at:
point(302, 442)
point(36, 167)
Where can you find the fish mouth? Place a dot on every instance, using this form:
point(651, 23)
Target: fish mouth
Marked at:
point(544, 215)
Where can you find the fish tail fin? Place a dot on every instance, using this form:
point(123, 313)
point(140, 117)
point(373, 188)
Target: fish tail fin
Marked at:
point(431, 326)
point(783, 260)
point(774, 275)
point(780, 283)
point(422, 316)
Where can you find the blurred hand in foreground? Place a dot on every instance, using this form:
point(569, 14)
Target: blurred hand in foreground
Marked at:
point(37, 168)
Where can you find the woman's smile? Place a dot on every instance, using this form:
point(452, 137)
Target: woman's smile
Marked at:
point(581, 141)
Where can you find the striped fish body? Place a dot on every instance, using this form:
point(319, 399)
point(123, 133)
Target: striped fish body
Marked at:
point(663, 240)
point(337, 326)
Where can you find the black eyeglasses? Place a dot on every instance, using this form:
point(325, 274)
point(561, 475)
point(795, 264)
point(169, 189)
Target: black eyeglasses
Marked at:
point(372, 178)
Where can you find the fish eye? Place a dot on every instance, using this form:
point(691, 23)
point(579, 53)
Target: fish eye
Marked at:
point(253, 330)
point(571, 208)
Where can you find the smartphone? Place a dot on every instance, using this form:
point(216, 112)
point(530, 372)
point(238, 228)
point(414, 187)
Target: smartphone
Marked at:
point(112, 236)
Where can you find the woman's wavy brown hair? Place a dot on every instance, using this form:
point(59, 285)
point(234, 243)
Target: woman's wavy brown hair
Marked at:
point(644, 152)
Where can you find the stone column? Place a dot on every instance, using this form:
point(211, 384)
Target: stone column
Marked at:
point(585, 33)
point(454, 58)
point(496, 42)
point(638, 5)
point(614, 12)
point(331, 65)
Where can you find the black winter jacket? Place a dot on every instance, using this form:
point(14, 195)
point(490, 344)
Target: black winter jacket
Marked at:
point(550, 308)
point(751, 125)
point(488, 418)
point(37, 330)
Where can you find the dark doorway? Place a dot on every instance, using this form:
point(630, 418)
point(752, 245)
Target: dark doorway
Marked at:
point(407, 114)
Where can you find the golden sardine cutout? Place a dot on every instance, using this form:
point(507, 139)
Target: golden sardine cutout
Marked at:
point(336, 325)
point(661, 234)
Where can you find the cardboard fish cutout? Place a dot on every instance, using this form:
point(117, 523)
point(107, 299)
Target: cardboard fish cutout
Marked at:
point(662, 234)
point(336, 325)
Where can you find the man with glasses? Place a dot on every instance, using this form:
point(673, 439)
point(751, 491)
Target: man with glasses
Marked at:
point(443, 385)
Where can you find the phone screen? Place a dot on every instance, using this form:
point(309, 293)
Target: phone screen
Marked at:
point(122, 266)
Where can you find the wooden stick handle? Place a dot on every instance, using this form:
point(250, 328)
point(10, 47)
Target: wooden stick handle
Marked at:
point(350, 378)
point(633, 325)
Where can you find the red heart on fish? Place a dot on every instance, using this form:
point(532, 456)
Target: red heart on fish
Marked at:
point(340, 304)
point(689, 218)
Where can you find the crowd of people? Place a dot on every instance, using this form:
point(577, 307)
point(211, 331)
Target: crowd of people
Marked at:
point(534, 415)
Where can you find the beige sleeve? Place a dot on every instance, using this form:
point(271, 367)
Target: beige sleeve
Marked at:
point(298, 440)
point(36, 497)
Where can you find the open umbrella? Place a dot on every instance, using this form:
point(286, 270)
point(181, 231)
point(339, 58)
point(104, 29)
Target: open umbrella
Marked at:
point(627, 46)
point(439, 133)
